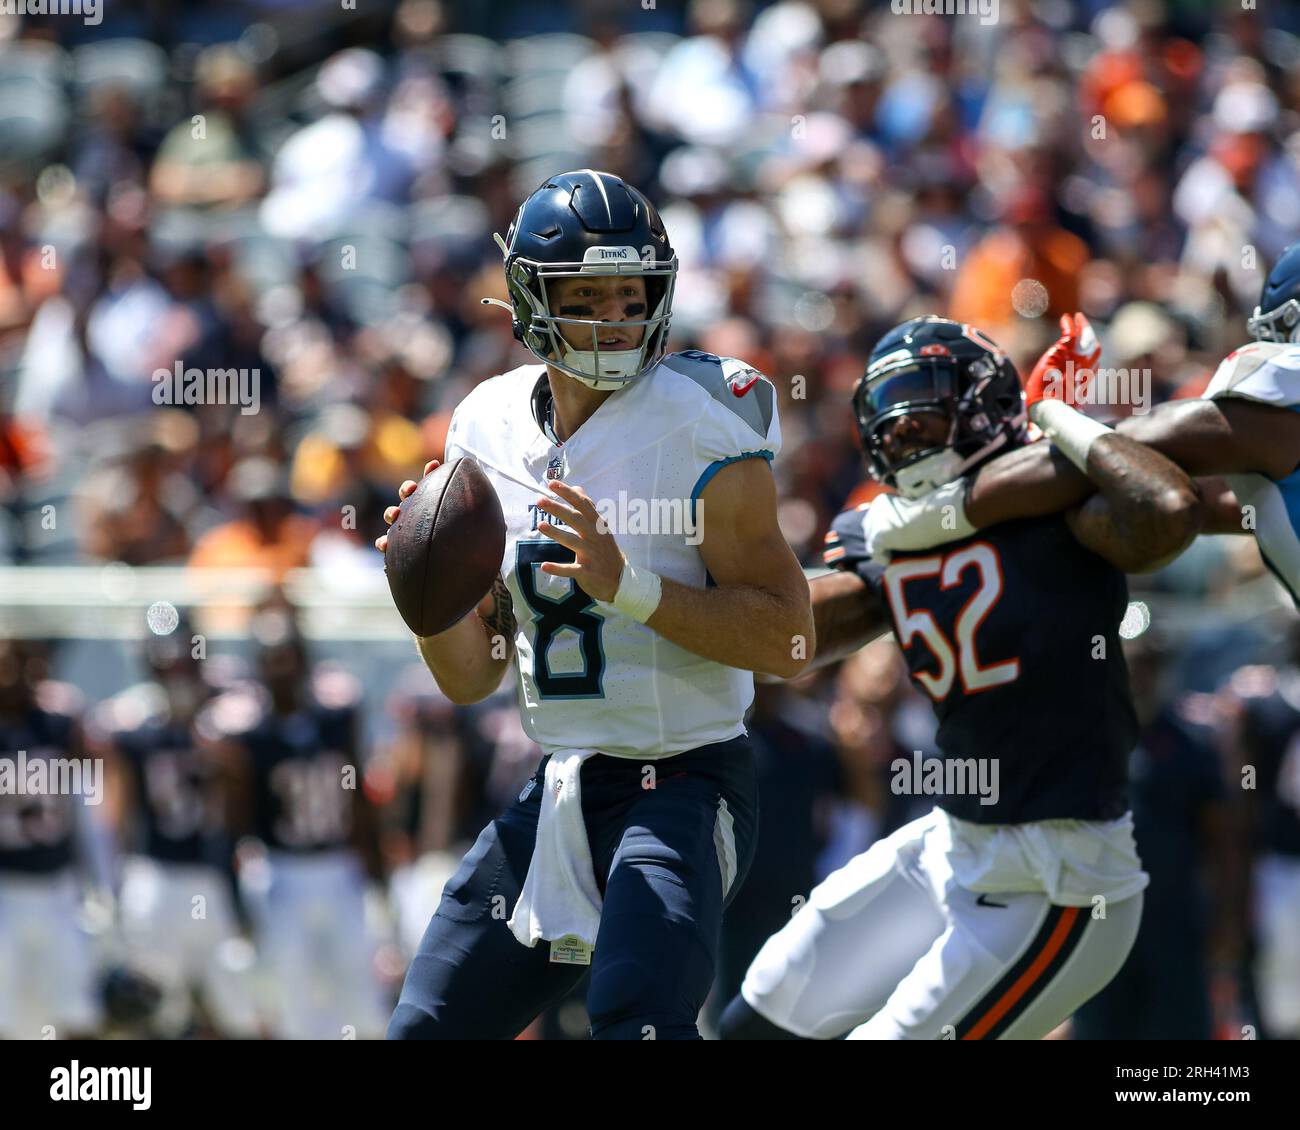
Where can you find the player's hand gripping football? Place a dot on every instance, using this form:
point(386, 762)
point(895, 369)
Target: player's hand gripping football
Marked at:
point(403, 492)
point(598, 562)
point(495, 610)
point(1063, 372)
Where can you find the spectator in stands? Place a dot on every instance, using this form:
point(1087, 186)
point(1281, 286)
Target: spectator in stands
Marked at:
point(268, 535)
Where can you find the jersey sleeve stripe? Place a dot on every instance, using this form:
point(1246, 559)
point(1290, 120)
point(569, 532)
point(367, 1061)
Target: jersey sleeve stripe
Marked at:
point(713, 468)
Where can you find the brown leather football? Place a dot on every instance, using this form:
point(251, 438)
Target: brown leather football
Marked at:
point(446, 547)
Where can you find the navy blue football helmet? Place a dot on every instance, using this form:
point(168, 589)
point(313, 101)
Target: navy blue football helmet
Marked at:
point(1277, 317)
point(586, 223)
point(949, 370)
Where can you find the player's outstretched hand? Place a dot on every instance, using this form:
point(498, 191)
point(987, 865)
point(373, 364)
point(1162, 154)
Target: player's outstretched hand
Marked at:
point(598, 562)
point(403, 493)
point(1063, 372)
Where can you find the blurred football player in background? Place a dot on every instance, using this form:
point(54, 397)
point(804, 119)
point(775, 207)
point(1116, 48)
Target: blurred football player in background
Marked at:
point(1268, 745)
point(1191, 848)
point(168, 807)
point(48, 970)
point(425, 769)
point(292, 744)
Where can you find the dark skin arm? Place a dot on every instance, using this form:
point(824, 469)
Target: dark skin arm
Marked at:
point(1145, 509)
point(1221, 509)
point(847, 616)
point(1135, 508)
point(1029, 482)
point(1221, 437)
point(1205, 437)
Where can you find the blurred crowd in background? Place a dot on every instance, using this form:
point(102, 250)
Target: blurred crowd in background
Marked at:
point(309, 193)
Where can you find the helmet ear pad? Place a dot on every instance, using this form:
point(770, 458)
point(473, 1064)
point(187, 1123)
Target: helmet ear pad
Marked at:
point(656, 289)
point(522, 282)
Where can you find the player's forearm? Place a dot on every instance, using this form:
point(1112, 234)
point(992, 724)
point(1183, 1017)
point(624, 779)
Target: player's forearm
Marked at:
point(1028, 482)
point(1146, 512)
point(846, 616)
point(1222, 511)
point(470, 658)
point(461, 662)
point(1222, 437)
point(1153, 502)
point(739, 625)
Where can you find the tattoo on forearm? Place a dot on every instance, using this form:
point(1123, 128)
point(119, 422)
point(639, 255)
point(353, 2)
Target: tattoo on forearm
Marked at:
point(1148, 508)
point(500, 620)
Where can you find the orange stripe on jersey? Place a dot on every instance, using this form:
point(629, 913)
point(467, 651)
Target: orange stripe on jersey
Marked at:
point(834, 553)
point(1023, 983)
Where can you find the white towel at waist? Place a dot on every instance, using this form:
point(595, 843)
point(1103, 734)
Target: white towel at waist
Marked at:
point(559, 894)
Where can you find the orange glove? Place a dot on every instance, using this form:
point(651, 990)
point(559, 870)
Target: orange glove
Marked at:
point(1063, 372)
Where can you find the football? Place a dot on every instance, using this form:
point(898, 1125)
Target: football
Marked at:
point(445, 548)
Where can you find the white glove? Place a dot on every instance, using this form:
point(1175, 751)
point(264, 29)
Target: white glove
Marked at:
point(894, 523)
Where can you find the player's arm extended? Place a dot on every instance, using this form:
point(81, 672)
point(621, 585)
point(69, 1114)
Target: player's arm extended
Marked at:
point(1147, 510)
point(756, 616)
point(1225, 435)
point(1230, 435)
point(1204, 437)
point(1037, 480)
point(847, 615)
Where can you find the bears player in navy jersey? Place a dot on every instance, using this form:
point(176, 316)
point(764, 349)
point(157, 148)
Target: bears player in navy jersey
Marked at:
point(1019, 895)
point(166, 801)
point(47, 968)
point(292, 748)
point(633, 646)
point(1269, 740)
point(1245, 428)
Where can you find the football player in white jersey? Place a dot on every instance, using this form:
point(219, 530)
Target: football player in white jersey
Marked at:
point(645, 577)
point(1246, 428)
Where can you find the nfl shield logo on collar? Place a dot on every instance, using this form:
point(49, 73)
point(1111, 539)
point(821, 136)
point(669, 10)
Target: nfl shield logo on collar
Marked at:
point(556, 468)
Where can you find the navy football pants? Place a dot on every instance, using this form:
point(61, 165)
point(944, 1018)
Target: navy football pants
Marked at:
point(657, 863)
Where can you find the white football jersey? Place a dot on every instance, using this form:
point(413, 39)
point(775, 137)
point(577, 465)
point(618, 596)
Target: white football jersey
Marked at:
point(1268, 372)
point(590, 677)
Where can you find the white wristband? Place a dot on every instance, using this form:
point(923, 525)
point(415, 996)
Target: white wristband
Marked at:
point(639, 592)
point(1070, 431)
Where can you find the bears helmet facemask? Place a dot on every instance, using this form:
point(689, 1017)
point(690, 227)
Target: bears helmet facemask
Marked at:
point(937, 366)
point(587, 223)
